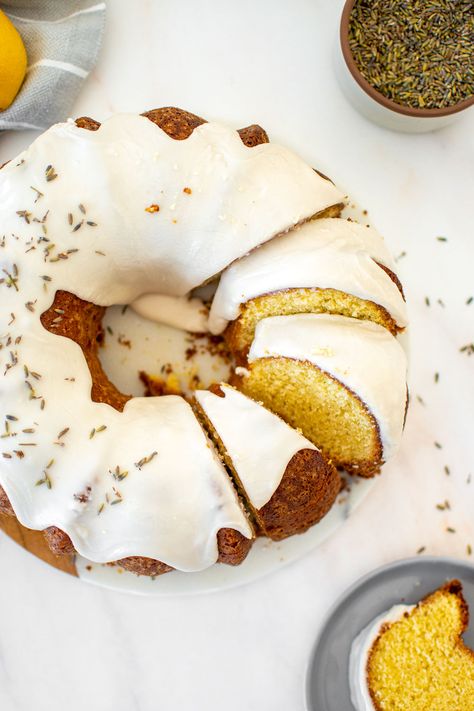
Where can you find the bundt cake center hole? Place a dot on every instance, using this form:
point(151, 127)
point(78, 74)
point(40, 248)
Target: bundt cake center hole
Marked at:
point(128, 355)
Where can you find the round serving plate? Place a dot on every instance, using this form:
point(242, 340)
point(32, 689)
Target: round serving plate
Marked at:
point(405, 581)
point(179, 360)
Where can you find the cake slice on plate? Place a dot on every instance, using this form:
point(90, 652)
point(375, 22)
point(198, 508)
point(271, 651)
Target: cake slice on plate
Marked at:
point(413, 658)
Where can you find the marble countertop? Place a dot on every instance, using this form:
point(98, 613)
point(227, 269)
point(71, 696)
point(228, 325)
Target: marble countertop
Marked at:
point(64, 644)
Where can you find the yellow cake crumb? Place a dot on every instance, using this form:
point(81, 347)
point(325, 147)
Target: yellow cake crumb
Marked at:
point(327, 413)
point(420, 662)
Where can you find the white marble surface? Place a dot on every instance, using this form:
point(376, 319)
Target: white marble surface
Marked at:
point(64, 644)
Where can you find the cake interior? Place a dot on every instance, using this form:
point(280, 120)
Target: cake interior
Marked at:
point(327, 413)
point(420, 663)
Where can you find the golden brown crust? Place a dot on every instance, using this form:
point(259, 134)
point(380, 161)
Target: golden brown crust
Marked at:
point(216, 389)
point(144, 566)
point(233, 546)
point(58, 541)
point(394, 278)
point(453, 587)
point(253, 135)
point(306, 492)
point(82, 323)
point(5, 505)
point(233, 549)
point(180, 124)
point(88, 123)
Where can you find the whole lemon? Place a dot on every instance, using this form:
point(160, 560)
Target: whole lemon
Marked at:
point(12, 61)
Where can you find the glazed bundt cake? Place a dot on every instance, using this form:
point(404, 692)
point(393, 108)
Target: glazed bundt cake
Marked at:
point(341, 381)
point(324, 266)
point(94, 215)
point(413, 658)
point(288, 485)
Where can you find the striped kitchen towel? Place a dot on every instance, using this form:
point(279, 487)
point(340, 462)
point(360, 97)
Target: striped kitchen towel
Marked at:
point(62, 39)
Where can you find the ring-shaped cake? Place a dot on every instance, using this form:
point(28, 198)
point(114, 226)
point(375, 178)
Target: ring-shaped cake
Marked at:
point(94, 215)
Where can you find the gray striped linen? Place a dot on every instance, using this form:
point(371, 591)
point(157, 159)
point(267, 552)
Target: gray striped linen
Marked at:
point(62, 39)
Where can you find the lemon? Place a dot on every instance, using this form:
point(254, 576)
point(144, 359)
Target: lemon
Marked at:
point(12, 61)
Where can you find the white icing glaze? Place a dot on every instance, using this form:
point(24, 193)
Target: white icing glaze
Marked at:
point(151, 519)
point(188, 314)
point(329, 253)
point(240, 197)
point(73, 216)
point(362, 355)
point(239, 421)
point(359, 655)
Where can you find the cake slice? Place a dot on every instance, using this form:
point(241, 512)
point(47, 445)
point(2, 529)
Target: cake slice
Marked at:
point(339, 380)
point(413, 658)
point(324, 266)
point(287, 483)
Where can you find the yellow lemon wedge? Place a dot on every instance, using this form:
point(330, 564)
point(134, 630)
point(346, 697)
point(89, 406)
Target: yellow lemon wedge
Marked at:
point(12, 61)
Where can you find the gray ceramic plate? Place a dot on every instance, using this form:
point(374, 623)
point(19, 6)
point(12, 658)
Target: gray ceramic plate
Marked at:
point(327, 685)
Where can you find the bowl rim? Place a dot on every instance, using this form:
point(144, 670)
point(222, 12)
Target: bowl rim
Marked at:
point(377, 95)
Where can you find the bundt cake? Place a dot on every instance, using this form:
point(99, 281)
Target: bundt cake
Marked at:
point(412, 658)
point(287, 483)
point(340, 380)
point(329, 265)
point(94, 215)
